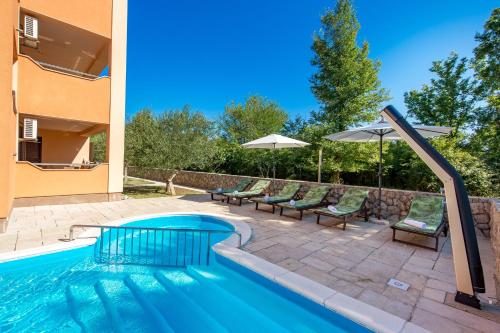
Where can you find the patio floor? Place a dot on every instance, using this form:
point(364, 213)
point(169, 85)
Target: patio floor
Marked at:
point(358, 261)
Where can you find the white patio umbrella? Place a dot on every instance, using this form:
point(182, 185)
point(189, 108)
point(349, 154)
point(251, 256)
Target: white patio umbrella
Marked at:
point(275, 141)
point(380, 131)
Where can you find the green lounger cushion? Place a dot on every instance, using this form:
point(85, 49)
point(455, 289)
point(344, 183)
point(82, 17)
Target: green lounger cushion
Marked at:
point(349, 203)
point(255, 190)
point(242, 184)
point(428, 209)
point(312, 198)
point(286, 194)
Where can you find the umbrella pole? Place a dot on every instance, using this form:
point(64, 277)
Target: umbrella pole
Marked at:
point(274, 169)
point(379, 178)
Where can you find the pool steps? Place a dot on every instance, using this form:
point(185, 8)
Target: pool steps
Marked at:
point(148, 306)
point(166, 297)
point(84, 304)
point(197, 312)
point(238, 304)
point(111, 310)
point(70, 297)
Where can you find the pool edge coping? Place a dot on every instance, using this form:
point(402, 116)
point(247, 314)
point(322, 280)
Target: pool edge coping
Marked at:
point(353, 309)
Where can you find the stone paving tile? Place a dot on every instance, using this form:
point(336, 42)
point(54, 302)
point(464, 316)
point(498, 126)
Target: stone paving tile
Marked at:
point(313, 246)
point(357, 262)
point(333, 260)
point(390, 305)
point(291, 264)
point(434, 294)
point(390, 256)
point(444, 265)
point(377, 271)
point(440, 285)
point(274, 253)
point(259, 245)
point(317, 275)
point(435, 323)
point(317, 263)
point(347, 288)
point(421, 262)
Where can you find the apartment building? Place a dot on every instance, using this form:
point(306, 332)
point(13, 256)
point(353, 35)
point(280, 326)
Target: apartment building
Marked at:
point(62, 81)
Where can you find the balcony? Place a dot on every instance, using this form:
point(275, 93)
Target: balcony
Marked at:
point(34, 180)
point(61, 94)
point(91, 15)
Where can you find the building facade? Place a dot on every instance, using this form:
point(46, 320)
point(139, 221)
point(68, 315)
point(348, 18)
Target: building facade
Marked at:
point(62, 81)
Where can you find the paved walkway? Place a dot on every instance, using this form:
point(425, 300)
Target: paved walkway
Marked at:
point(357, 262)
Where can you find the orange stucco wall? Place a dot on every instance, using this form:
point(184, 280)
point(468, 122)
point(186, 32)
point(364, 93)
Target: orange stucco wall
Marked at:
point(91, 15)
point(64, 147)
point(32, 181)
point(46, 93)
point(8, 52)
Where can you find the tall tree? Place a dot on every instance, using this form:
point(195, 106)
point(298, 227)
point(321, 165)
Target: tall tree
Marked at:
point(486, 60)
point(450, 99)
point(346, 82)
point(486, 64)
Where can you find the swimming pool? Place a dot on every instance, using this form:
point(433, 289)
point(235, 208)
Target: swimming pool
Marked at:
point(69, 291)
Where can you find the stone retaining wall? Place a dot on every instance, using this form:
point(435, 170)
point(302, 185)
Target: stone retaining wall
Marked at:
point(495, 241)
point(395, 203)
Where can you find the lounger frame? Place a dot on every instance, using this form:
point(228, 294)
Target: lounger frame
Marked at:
point(343, 218)
point(443, 227)
point(322, 203)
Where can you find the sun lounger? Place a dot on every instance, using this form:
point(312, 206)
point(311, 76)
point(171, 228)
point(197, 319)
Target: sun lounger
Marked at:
point(315, 197)
point(429, 211)
point(351, 204)
point(288, 193)
point(256, 190)
point(240, 187)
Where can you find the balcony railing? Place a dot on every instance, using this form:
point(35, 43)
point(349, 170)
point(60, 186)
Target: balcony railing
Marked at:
point(66, 70)
point(66, 166)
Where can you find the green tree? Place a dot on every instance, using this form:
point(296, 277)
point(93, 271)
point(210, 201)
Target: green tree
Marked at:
point(450, 99)
point(173, 140)
point(255, 118)
point(98, 143)
point(142, 138)
point(404, 169)
point(241, 123)
point(346, 82)
point(486, 63)
point(486, 60)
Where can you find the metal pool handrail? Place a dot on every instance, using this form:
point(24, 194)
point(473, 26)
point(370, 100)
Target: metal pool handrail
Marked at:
point(181, 246)
point(98, 226)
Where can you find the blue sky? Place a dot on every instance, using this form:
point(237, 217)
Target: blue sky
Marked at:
point(209, 53)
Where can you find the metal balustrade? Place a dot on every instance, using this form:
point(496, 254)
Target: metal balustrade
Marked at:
point(175, 247)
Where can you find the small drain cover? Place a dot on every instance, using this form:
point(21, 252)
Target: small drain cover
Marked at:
point(398, 284)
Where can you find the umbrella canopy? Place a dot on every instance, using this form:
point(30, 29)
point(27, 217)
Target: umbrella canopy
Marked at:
point(373, 132)
point(275, 141)
point(378, 132)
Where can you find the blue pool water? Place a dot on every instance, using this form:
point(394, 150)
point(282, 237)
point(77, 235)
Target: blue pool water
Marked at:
point(70, 292)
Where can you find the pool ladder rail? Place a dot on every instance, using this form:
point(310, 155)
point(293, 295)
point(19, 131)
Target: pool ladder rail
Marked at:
point(153, 246)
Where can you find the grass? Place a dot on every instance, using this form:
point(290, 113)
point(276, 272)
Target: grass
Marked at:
point(136, 182)
point(141, 192)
